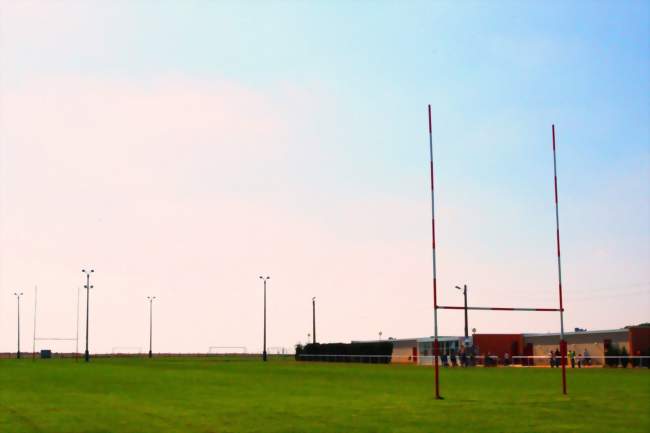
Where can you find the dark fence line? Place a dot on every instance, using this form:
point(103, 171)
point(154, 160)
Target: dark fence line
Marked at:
point(372, 353)
point(72, 355)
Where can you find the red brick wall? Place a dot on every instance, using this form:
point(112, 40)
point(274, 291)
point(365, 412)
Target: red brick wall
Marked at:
point(498, 344)
point(639, 339)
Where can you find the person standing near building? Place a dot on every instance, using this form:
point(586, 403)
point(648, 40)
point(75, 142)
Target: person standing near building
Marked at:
point(463, 357)
point(572, 358)
point(551, 357)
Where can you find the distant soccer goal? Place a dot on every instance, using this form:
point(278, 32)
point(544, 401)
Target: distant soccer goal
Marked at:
point(126, 350)
point(227, 350)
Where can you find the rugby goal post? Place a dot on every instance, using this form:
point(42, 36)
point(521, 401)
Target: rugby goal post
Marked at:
point(60, 347)
point(436, 307)
point(36, 338)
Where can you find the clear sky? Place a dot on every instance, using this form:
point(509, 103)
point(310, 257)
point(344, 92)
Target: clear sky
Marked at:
point(184, 148)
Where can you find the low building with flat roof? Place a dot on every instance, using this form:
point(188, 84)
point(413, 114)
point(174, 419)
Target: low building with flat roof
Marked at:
point(591, 344)
point(420, 350)
point(528, 349)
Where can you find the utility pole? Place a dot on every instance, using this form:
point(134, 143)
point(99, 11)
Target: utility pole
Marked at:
point(88, 287)
point(464, 289)
point(151, 298)
point(18, 295)
point(313, 306)
point(265, 279)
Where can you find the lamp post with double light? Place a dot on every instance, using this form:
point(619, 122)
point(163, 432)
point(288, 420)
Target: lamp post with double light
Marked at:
point(464, 290)
point(18, 295)
point(151, 298)
point(88, 287)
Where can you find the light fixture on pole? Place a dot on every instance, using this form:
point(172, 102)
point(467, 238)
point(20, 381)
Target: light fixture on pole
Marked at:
point(151, 298)
point(87, 287)
point(380, 334)
point(18, 295)
point(265, 279)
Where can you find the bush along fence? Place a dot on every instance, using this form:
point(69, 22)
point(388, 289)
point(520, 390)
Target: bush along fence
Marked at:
point(374, 353)
point(616, 356)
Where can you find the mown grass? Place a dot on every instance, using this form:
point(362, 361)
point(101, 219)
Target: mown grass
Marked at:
point(218, 395)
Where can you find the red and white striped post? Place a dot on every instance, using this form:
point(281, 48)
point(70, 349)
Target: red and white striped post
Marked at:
point(559, 267)
point(433, 244)
point(436, 353)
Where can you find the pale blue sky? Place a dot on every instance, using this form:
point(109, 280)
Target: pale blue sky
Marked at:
point(324, 128)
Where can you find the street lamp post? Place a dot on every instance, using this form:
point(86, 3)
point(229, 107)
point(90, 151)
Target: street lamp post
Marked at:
point(265, 279)
point(88, 287)
point(151, 298)
point(18, 295)
point(313, 308)
point(464, 289)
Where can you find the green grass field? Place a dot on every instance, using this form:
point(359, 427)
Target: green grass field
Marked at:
point(187, 395)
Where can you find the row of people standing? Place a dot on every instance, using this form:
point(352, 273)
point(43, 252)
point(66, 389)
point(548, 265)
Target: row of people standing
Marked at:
point(464, 358)
point(555, 358)
point(467, 358)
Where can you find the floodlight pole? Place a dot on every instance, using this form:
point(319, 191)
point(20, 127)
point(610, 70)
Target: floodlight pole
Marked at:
point(151, 298)
point(88, 287)
point(18, 295)
point(559, 267)
point(313, 307)
point(464, 289)
point(264, 357)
